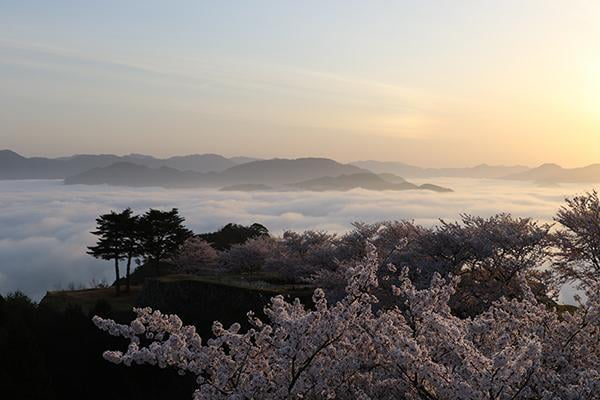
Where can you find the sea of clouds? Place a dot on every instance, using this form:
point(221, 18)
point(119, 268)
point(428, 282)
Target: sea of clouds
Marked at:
point(45, 226)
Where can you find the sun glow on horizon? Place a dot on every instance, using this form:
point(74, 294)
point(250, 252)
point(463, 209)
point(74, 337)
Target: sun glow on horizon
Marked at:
point(428, 83)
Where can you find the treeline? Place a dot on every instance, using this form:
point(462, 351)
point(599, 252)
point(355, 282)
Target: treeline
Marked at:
point(50, 354)
point(462, 310)
point(489, 254)
point(57, 355)
point(156, 237)
point(153, 236)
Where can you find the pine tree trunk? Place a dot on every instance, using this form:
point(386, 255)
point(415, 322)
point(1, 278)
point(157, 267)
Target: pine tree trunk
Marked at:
point(127, 283)
point(117, 282)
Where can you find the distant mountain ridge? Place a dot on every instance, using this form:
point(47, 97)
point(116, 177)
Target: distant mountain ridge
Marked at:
point(553, 173)
point(213, 169)
point(15, 166)
point(134, 175)
point(262, 172)
point(283, 171)
point(311, 174)
point(411, 171)
point(366, 180)
point(246, 187)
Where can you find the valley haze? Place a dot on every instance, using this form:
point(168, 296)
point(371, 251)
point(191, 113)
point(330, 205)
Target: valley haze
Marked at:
point(300, 199)
point(45, 225)
point(49, 204)
point(215, 170)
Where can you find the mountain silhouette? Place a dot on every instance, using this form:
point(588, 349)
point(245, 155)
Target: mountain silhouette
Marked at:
point(283, 171)
point(281, 174)
point(411, 171)
point(365, 180)
point(130, 174)
point(15, 166)
point(553, 173)
point(246, 187)
point(262, 172)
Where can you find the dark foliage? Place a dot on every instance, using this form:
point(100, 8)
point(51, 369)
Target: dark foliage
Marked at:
point(117, 240)
point(232, 234)
point(161, 234)
point(50, 355)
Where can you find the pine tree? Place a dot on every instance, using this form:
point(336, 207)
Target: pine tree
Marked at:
point(111, 244)
point(161, 234)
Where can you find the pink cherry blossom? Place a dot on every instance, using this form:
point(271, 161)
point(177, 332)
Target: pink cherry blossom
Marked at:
point(416, 349)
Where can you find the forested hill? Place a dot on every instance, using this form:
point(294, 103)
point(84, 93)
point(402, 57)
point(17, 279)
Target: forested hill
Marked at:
point(15, 166)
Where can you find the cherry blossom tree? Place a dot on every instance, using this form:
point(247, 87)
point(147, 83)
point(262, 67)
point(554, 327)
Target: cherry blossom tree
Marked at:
point(195, 256)
point(418, 349)
point(300, 254)
point(578, 242)
point(250, 256)
point(488, 253)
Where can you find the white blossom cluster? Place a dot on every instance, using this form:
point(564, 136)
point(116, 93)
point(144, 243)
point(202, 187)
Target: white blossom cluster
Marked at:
point(517, 349)
point(195, 256)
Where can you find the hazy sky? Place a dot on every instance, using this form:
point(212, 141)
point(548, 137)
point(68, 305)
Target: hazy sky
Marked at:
point(425, 82)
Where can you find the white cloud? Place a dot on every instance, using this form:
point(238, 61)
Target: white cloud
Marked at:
point(44, 226)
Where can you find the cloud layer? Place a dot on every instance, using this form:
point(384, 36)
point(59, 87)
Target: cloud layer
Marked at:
point(44, 226)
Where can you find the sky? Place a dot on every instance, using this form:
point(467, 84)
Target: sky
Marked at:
point(431, 83)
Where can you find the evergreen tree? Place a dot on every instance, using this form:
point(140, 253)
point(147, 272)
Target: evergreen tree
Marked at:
point(161, 234)
point(232, 234)
point(130, 230)
point(111, 244)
